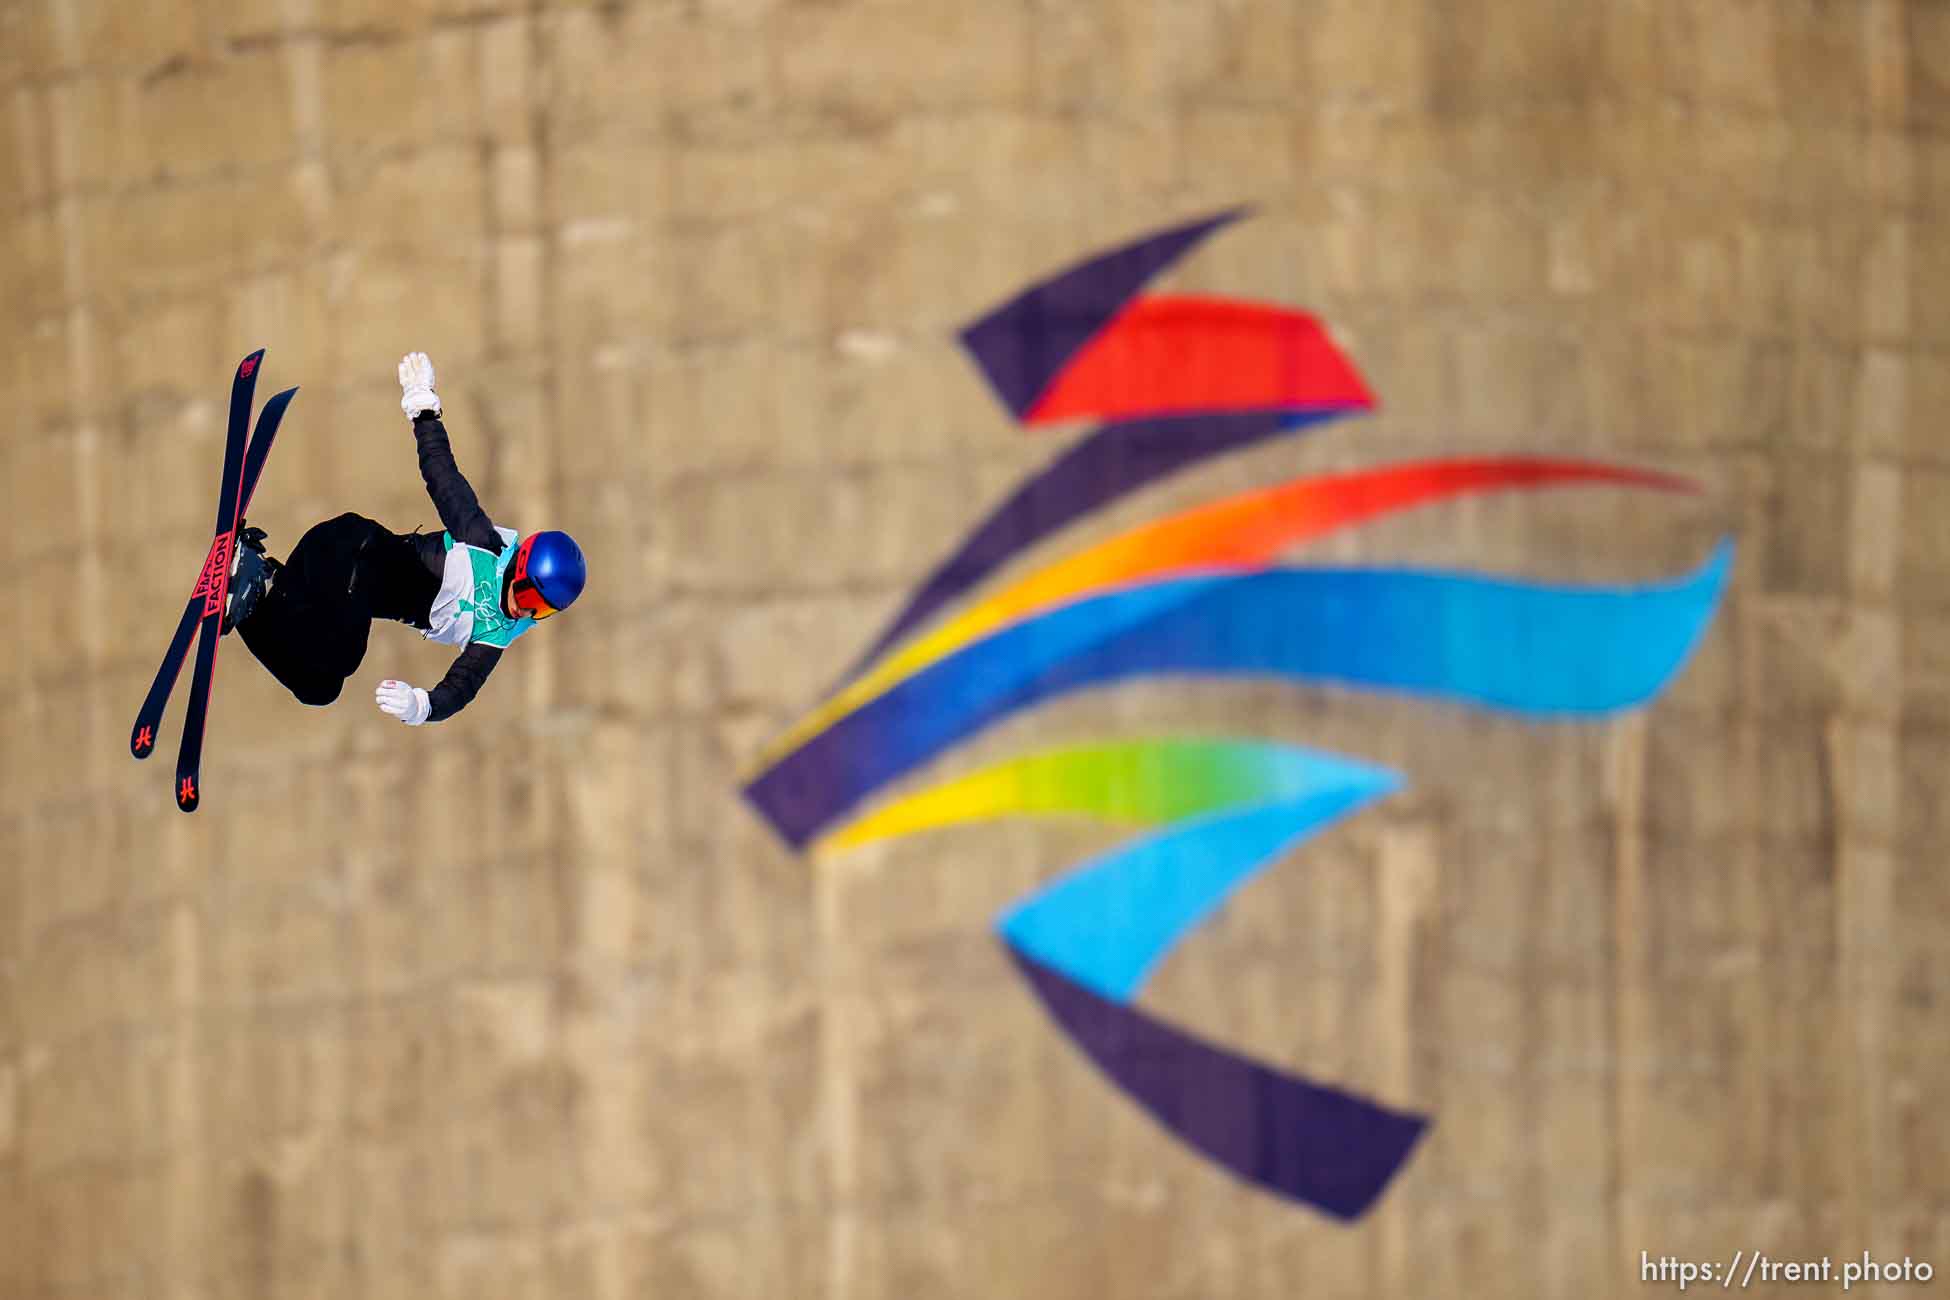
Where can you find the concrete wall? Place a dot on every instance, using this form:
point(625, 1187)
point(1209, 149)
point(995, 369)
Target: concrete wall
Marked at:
point(529, 1004)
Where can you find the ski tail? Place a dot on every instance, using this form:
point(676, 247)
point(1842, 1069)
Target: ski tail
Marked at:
point(142, 736)
point(214, 585)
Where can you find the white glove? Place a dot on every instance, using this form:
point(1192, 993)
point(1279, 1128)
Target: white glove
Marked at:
point(407, 703)
point(416, 385)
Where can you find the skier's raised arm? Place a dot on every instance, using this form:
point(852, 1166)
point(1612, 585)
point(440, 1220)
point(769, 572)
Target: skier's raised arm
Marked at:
point(453, 497)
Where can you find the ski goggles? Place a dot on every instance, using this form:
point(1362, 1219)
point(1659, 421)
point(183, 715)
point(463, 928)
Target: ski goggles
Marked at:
point(523, 594)
point(527, 598)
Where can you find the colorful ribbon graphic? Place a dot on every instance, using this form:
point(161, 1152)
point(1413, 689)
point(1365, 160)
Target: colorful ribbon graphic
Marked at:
point(1203, 593)
point(1240, 534)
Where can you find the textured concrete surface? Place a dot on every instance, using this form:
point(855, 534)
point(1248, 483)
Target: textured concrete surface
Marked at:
point(690, 273)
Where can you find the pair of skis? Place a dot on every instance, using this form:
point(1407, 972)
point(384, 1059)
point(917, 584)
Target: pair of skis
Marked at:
point(204, 611)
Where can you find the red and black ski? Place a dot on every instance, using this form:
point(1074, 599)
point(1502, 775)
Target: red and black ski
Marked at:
point(204, 610)
point(213, 584)
point(142, 736)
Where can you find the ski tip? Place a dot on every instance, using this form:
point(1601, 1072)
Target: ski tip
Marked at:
point(249, 364)
point(187, 795)
point(142, 741)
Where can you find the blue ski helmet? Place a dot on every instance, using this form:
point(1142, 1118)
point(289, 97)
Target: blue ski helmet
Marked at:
point(547, 574)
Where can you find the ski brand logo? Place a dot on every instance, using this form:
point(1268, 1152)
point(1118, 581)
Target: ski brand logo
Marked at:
point(211, 582)
point(244, 371)
point(1169, 381)
point(145, 738)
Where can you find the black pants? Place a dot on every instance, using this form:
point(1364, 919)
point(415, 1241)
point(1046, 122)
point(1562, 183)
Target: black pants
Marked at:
point(310, 628)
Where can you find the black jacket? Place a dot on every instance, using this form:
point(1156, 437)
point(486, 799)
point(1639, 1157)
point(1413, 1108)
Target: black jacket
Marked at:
point(461, 515)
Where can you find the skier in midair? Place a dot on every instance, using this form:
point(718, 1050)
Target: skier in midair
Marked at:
point(476, 586)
